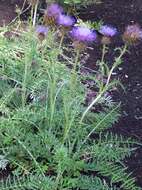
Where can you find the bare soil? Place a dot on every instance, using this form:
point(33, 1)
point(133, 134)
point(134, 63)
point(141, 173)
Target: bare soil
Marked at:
point(7, 12)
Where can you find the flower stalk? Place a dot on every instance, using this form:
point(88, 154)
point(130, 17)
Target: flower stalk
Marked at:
point(106, 86)
point(74, 72)
point(35, 13)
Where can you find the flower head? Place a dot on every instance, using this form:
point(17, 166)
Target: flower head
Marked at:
point(42, 31)
point(51, 14)
point(54, 10)
point(65, 20)
point(83, 34)
point(108, 31)
point(132, 34)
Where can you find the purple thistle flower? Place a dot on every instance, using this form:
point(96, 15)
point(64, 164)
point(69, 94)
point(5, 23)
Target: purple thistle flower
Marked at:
point(42, 30)
point(108, 31)
point(83, 34)
point(54, 10)
point(66, 20)
point(132, 34)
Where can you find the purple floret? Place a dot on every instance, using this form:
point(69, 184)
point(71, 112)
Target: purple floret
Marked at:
point(66, 20)
point(42, 30)
point(132, 34)
point(108, 30)
point(134, 30)
point(83, 34)
point(54, 10)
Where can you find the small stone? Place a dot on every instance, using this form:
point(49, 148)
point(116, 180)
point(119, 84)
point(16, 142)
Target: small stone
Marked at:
point(114, 73)
point(120, 68)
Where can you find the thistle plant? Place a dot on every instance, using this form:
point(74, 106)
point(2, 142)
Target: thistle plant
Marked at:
point(54, 140)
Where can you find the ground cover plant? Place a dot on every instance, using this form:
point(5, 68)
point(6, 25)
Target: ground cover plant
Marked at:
point(53, 115)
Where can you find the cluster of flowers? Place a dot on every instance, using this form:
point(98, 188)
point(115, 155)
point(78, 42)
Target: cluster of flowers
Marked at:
point(54, 14)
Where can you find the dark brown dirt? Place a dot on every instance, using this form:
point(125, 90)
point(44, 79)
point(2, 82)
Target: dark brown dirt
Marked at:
point(7, 12)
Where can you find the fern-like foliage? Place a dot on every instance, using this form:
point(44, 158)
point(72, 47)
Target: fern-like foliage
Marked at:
point(112, 147)
point(30, 182)
point(105, 157)
point(91, 183)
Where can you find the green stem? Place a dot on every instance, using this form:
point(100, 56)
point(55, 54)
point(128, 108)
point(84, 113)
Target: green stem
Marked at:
point(100, 122)
point(117, 61)
point(24, 85)
point(103, 53)
point(92, 103)
point(32, 157)
point(59, 175)
point(52, 105)
point(35, 13)
point(74, 73)
point(105, 88)
point(102, 63)
point(52, 91)
point(61, 41)
point(32, 13)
